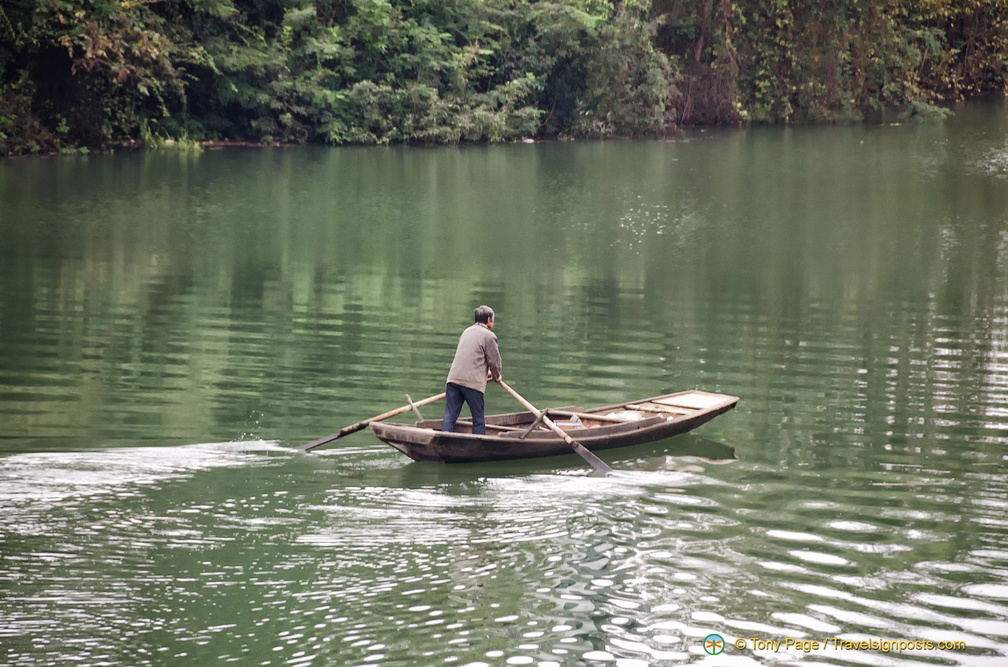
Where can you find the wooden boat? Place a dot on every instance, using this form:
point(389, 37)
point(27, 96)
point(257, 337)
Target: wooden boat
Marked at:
point(520, 435)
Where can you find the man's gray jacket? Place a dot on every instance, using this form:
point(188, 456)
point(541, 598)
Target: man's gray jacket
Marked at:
point(477, 352)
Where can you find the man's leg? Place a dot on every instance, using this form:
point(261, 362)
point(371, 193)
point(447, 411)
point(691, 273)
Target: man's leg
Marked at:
point(475, 400)
point(453, 406)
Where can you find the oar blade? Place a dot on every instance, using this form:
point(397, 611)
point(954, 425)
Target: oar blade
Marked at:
point(335, 436)
point(589, 456)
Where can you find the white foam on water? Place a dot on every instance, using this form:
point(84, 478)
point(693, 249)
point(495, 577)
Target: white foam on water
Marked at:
point(55, 476)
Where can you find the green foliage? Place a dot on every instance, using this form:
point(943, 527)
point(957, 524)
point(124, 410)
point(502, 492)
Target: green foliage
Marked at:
point(101, 72)
point(99, 68)
point(703, 39)
point(149, 138)
point(794, 61)
point(21, 132)
point(963, 44)
point(628, 82)
point(922, 112)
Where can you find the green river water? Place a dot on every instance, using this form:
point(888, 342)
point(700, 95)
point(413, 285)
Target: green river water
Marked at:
point(174, 325)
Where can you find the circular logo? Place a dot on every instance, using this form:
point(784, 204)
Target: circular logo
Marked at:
point(713, 644)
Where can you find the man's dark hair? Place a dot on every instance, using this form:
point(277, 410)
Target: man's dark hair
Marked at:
point(483, 314)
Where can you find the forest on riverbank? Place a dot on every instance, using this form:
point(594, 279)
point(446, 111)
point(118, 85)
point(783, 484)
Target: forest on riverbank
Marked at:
point(96, 74)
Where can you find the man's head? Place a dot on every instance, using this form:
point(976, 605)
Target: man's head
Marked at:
point(484, 315)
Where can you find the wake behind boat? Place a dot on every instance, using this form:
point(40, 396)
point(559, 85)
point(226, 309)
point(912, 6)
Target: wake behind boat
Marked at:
point(523, 435)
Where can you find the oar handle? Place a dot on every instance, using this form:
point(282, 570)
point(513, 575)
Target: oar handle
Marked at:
point(528, 406)
point(580, 449)
point(353, 428)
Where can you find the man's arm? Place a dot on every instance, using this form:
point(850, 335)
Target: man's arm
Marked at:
point(493, 359)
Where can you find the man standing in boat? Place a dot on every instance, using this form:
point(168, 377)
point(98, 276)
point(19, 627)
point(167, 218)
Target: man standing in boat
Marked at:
point(477, 359)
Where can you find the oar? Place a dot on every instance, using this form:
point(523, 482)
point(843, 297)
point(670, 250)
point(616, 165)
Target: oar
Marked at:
point(353, 428)
point(580, 449)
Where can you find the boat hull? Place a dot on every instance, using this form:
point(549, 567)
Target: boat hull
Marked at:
point(509, 436)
